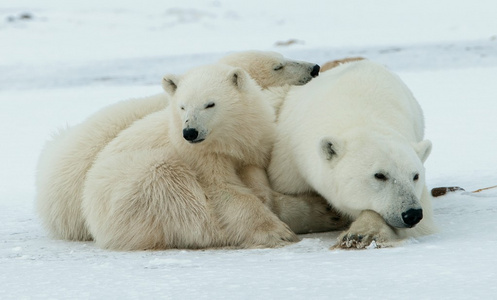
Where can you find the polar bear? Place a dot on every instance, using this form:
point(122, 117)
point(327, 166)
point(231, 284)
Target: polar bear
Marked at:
point(271, 69)
point(66, 159)
point(171, 180)
point(355, 136)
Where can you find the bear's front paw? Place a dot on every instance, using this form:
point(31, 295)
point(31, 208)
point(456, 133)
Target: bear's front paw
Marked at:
point(349, 240)
point(368, 231)
point(272, 235)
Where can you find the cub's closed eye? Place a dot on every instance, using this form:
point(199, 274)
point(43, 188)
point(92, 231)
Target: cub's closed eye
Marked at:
point(279, 67)
point(380, 176)
point(182, 108)
point(416, 177)
point(210, 104)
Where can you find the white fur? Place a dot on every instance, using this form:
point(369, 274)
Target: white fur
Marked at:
point(338, 131)
point(271, 68)
point(65, 161)
point(151, 188)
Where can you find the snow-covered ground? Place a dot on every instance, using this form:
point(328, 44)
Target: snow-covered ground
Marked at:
point(62, 60)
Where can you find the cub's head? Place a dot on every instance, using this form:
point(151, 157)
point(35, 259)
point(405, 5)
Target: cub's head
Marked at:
point(209, 102)
point(270, 69)
point(376, 174)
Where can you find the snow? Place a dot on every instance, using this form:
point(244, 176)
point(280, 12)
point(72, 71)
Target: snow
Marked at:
point(72, 58)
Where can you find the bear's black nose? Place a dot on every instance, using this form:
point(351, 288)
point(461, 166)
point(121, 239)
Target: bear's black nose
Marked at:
point(315, 71)
point(190, 134)
point(412, 217)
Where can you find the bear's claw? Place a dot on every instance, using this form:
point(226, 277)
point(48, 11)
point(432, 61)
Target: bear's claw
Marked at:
point(356, 241)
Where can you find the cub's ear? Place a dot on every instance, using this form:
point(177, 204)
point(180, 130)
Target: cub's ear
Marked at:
point(238, 77)
point(170, 83)
point(330, 147)
point(423, 149)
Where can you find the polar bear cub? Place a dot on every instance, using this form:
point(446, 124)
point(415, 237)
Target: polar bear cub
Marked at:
point(171, 179)
point(355, 135)
point(66, 159)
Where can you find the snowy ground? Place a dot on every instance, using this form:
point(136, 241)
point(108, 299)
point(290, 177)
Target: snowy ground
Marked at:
point(66, 60)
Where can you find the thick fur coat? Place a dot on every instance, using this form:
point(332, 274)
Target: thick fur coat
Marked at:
point(355, 136)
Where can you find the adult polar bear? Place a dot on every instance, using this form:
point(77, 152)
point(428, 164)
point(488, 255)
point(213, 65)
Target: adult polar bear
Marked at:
point(355, 135)
point(66, 159)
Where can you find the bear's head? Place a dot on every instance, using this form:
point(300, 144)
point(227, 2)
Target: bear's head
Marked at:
point(217, 104)
point(270, 69)
point(378, 174)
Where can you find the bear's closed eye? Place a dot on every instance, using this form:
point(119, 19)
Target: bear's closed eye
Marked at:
point(380, 176)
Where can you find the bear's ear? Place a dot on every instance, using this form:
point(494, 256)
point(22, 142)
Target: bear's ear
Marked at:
point(330, 147)
point(237, 77)
point(170, 84)
point(423, 149)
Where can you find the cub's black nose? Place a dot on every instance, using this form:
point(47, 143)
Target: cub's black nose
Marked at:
point(315, 71)
point(412, 217)
point(190, 134)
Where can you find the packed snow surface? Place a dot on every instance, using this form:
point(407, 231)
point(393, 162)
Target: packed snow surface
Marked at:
point(60, 61)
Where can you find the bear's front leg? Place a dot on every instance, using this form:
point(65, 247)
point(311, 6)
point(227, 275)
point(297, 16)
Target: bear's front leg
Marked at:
point(304, 213)
point(247, 222)
point(369, 230)
point(307, 213)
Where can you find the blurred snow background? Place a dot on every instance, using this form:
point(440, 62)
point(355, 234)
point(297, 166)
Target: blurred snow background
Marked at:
point(62, 60)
